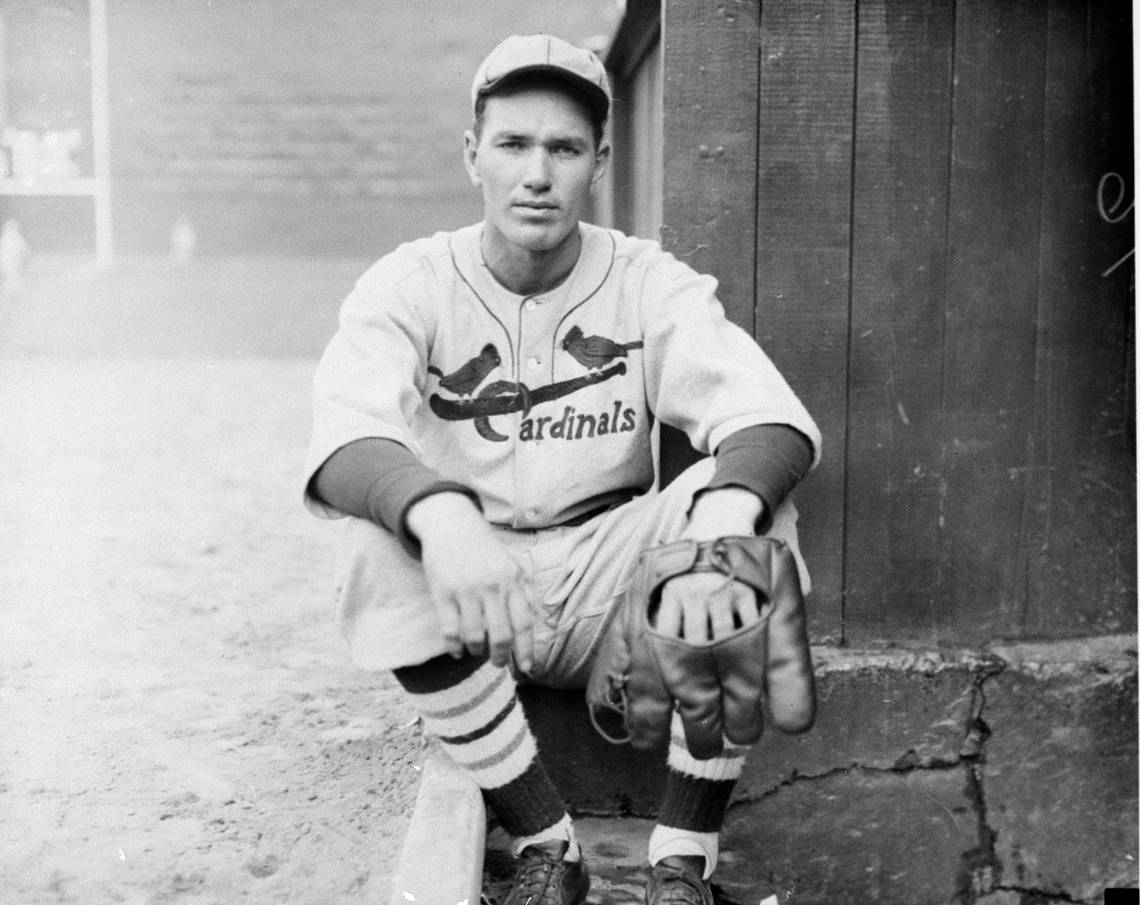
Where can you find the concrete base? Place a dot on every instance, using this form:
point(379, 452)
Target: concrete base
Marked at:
point(441, 861)
point(930, 777)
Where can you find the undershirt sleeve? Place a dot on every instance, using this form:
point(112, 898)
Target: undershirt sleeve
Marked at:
point(380, 480)
point(768, 459)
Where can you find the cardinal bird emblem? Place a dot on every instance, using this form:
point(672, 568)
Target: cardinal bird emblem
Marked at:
point(595, 352)
point(598, 354)
point(465, 380)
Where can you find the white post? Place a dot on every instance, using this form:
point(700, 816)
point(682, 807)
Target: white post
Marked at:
point(100, 134)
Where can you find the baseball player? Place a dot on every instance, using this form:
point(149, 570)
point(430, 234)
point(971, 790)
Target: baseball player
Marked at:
point(483, 417)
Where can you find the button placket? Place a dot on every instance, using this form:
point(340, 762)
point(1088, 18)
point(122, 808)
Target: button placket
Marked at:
point(531, 343)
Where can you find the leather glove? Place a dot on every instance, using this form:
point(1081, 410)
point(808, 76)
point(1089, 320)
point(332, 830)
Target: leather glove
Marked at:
point(722, 687)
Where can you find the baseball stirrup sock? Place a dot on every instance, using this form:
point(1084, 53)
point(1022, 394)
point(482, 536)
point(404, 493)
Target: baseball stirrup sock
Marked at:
point(470, 705)
point(695, 801)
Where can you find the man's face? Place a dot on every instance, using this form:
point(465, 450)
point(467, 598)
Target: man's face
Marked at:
point(536, 164)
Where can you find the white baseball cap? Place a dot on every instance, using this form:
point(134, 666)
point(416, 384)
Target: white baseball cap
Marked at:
point(544, 53)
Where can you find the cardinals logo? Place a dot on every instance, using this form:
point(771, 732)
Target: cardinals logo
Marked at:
point(467, 379)
point(595, 352)
point(600, 356)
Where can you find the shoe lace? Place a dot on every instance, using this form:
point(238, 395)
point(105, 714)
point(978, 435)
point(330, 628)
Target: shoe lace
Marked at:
point(539, 872)
point(680, 887)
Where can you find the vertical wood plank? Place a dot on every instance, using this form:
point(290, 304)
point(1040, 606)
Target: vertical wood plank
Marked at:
point(1079, 530)
point(902, 149)
point(802, 252)
point(710, 144)
point(710, 158)
point(991, 307)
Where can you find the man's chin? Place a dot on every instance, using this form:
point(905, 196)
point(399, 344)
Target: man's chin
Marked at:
point(539, 239)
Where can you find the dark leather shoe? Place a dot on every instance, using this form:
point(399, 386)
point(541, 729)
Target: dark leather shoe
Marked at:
point(544, 878)
point(677, 880)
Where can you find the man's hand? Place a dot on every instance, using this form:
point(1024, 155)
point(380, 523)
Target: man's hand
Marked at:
point(480, 593)
point(705, 606)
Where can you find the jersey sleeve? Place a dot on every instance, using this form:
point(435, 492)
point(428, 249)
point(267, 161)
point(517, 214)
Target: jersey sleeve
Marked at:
point(370, 379)
point(704, 374)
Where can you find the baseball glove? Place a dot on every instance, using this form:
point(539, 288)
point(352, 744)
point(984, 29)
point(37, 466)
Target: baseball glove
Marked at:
point(719, 687)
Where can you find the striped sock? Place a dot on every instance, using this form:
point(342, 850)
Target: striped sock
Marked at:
point(695, 800)
point(470, 705)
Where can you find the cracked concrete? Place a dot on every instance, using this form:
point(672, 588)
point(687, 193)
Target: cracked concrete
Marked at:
point(975, 777)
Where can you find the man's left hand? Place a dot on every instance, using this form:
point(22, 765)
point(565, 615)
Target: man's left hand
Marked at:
point(705, 606)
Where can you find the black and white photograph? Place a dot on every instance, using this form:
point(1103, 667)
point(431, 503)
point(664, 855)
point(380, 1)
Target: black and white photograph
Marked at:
point(522, 452)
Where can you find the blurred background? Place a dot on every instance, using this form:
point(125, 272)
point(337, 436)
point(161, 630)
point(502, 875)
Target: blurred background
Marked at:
point(235, 130)
point(188, 191)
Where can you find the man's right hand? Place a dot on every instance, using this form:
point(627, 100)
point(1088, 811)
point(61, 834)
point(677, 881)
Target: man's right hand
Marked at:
point(480, 593)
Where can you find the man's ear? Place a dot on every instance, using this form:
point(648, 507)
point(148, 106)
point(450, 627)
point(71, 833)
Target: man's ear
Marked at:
point(601, 161)
point(470, 149)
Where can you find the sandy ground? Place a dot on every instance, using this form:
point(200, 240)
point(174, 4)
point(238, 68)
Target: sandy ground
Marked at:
point(180, 719)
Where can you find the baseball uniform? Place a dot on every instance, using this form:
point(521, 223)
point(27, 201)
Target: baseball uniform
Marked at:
point(542, 405)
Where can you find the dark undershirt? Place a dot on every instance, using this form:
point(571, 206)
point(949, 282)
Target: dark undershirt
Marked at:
point(381, 480)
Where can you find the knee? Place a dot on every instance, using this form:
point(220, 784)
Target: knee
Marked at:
point(375, 566)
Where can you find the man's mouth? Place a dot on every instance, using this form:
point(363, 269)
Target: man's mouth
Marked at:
point(536, 205)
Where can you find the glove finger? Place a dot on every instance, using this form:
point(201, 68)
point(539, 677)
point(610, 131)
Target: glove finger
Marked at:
point(648, 716)
point(742, 700)
point(741, 665)
point(790, 680)
point(649, 702)
point(691, 677)
point(790, 686)
point(703, 725)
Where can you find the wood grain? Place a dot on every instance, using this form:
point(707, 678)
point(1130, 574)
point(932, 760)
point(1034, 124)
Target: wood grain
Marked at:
point(902, 158)
point(991, 308)
point(710, 159)
point(803, 198)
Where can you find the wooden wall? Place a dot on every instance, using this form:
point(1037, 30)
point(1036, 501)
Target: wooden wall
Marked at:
point(921, 209)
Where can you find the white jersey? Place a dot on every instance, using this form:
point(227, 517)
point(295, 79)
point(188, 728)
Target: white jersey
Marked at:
point(542, 404)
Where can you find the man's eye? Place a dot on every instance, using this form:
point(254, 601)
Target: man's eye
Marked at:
point(512, 144)
point(566, 151)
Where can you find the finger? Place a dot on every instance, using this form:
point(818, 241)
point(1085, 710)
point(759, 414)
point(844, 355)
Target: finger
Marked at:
point(720, 612)
point(522, 626)
point(497, 617)
point(448, 613)
point(744, 604)
point(471, 626)
point(695, 619)
point(668, 619)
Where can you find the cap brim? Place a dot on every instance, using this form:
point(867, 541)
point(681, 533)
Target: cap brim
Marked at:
point(597, 98)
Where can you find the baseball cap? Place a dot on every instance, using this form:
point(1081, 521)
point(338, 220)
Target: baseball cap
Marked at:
point(544, 53)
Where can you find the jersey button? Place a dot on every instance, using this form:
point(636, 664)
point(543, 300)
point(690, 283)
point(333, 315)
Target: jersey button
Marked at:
point(534, 363)
point(530, 515)
point(531, 304)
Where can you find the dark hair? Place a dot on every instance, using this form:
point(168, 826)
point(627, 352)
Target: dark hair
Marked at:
point(527, 81)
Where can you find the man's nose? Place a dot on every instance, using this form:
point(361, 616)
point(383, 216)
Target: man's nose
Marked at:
point(536, 177)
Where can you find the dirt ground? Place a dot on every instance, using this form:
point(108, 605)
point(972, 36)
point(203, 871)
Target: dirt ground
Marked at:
point(181, 723)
